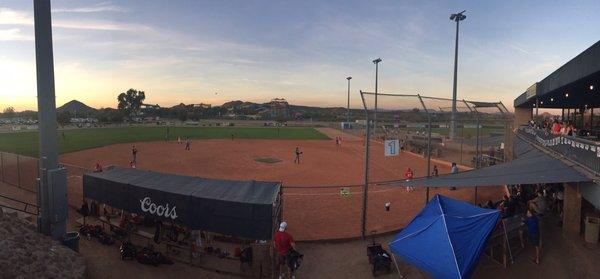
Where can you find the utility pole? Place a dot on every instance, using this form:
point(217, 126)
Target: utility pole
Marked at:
point(52, 187)
point(457, 18)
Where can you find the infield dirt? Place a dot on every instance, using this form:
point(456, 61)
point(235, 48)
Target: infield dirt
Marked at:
point(313, 205)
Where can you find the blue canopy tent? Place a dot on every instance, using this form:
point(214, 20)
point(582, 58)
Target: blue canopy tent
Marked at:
point(446, 238)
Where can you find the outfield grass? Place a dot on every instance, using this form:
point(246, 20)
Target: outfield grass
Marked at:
point(26, 143)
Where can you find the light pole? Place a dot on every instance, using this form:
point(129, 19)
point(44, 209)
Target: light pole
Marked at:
point(457, 18)
point(52, 187)
point(376, 62)
point(348, 108)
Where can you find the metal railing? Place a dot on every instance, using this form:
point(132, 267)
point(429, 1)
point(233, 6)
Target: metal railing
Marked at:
point(19, 205)
point(583, 152)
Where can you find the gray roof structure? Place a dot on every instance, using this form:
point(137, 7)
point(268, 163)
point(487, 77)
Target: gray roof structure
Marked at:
point(573, 85)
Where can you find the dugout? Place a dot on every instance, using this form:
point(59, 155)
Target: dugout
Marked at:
point(248, 210)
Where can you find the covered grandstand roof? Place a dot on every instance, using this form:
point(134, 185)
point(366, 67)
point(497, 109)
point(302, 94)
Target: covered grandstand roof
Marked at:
point(574, 85)
point(531, 166)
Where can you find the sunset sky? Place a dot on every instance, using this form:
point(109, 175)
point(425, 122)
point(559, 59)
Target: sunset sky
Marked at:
point(185, 51)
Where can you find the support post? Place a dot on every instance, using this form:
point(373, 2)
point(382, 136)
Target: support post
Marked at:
point(428, 145)
point(477, 151)
point(2, 165)
point(582, 119)
point(18, 171)
point(366, 186)
point(572, 209)
point(462, 137)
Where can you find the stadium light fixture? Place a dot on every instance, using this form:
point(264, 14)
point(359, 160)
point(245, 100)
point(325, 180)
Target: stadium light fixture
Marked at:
point(567, 95)
point(591, 87)
point(458, 17)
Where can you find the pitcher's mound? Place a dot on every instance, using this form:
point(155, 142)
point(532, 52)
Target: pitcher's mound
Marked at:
point(267, 160)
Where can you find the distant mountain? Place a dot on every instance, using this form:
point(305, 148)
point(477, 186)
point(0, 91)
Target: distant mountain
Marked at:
point(238, 104)
point(76, 107)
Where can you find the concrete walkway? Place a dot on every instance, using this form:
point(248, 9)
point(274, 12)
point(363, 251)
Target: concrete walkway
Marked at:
point(562, 257)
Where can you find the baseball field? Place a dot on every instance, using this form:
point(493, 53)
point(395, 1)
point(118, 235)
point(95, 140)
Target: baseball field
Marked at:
point(322, 196)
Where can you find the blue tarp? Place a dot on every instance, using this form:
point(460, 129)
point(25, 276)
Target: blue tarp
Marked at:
point(446, 238)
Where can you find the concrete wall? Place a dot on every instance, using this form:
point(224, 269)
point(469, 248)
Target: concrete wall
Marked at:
point(572, 209)
point(591, 192)
point(522, 116)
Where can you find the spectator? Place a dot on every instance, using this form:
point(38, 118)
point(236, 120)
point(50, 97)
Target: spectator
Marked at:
point(453, 170)
point(559, 196)
point(533, 230)
point(538, 204)
point(505, 207)
point(569, 129)
point(284, 243)
point(435, 172)
point(556, 127)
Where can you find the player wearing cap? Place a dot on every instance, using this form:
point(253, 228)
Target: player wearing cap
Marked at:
point(284, 243)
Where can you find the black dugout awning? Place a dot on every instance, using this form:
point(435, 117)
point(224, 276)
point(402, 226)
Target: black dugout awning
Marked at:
point(532, 166)
point(239, 208)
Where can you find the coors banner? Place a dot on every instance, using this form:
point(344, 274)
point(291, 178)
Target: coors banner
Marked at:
point(148, 206)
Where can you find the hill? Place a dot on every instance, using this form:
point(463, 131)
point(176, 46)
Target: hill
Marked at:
point(76, 107)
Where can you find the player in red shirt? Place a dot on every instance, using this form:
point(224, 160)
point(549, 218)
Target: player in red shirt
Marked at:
point(284, 243)
point(408, 175)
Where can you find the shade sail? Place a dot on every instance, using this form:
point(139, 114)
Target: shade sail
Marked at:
point(239, 208)
point(446, 239)
point(532, 166)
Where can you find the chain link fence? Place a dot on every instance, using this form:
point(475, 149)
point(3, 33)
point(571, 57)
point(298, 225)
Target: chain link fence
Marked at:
point(334, 212)
point(21, 172)
point(423, 124)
